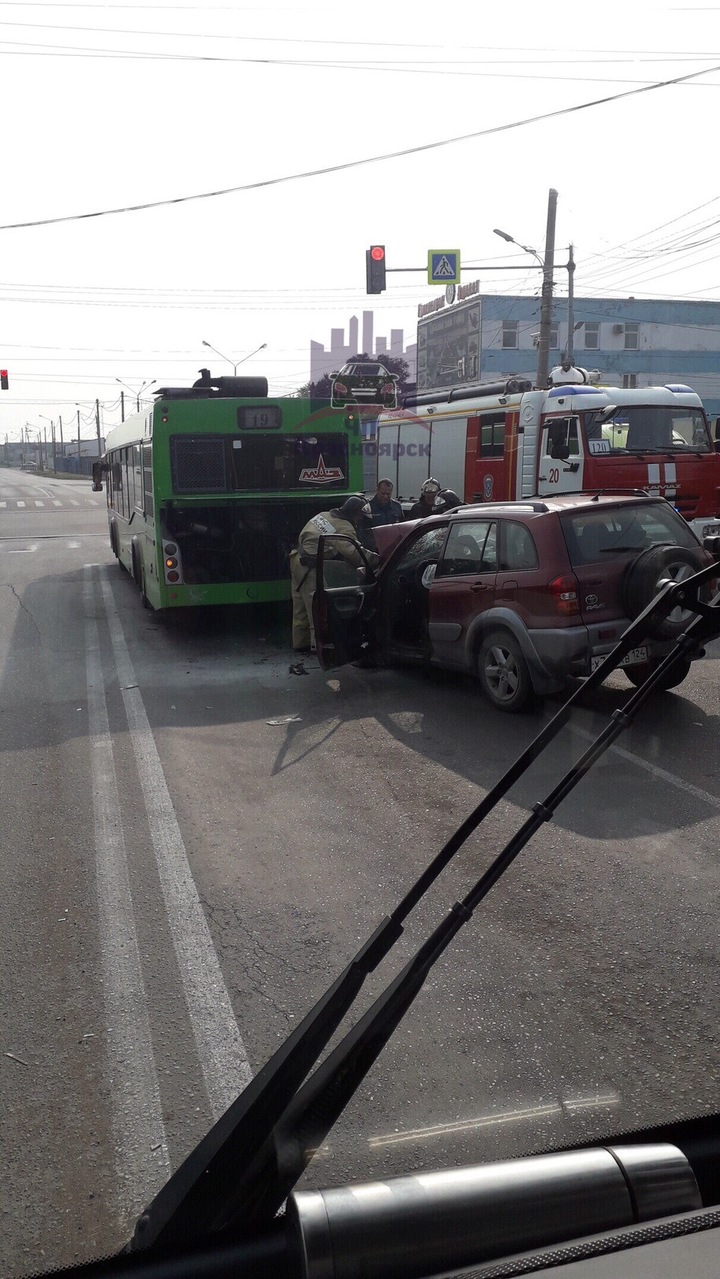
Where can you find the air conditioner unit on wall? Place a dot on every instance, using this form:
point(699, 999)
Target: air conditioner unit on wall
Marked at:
point(618, 328)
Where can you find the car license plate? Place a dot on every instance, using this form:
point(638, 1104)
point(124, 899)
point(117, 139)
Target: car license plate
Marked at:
point(633, 658)
point(709, 530)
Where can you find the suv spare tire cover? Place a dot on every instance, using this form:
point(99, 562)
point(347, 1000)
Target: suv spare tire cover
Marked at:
point(643, 581)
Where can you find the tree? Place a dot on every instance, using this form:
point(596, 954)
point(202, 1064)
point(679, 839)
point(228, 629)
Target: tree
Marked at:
point(322, 389)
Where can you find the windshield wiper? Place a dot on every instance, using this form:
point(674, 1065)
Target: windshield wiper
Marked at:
point(236, 1180)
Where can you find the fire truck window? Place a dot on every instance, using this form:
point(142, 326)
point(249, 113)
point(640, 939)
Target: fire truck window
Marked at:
point(561, 438)
point(491, 435)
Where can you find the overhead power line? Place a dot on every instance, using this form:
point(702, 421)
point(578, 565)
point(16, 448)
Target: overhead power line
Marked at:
point(354, 164)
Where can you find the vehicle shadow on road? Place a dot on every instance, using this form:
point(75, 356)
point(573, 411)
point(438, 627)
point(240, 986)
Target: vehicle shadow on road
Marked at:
point(232, 666)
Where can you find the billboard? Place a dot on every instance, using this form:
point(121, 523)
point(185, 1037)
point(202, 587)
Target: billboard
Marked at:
point(448, 347)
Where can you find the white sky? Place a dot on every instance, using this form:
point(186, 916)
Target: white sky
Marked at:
point(109, 105)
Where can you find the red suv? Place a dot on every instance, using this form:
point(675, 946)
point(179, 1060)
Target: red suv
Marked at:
point(522, 594)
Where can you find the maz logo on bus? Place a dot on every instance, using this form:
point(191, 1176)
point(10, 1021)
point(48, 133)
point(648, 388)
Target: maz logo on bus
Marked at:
point(320, 473)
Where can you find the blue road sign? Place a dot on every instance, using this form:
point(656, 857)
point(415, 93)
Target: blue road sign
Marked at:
point(443, 266)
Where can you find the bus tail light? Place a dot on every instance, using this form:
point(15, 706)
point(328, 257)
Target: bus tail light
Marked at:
point(564, 591)
point(172, 562)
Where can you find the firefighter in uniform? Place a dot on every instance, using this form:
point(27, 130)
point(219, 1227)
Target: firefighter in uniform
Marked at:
point(347, 520)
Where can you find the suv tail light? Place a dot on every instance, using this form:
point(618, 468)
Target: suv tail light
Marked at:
point(565, 595)
point(341, 387)
point(387, 388)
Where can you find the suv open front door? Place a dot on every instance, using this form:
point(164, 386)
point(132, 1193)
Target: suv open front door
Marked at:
point(343, 603)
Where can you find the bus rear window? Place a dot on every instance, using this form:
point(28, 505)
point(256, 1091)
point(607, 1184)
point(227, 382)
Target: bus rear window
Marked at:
point(258, 463)
point(270, 463)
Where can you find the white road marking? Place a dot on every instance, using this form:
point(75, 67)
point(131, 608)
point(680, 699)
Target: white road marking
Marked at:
point(73, 502)
point(3, 504)
point(23, 550)
point(661, 774)
point(141, 1150)
point(221, 1050)
point(73, 546)
point(56, 503)
point(20, 503)
point(39, 503)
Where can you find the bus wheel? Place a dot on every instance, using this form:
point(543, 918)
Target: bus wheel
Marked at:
point(137, 568)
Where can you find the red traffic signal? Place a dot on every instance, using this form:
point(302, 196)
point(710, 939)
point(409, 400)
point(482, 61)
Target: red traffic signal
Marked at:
point(375, 268)
point(3, 379)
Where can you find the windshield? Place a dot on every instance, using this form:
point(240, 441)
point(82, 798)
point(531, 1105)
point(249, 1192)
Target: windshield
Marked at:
point(204, 812)
point(649, 428)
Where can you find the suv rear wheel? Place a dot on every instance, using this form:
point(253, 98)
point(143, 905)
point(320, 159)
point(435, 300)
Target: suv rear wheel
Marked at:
point(645, 579)
point(503, 672)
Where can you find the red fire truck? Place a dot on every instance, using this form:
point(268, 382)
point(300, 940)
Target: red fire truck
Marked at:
point(504, 440)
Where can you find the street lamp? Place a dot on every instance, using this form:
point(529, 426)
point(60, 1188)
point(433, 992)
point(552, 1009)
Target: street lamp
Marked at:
point(525, 247)
point(137, 394)
point(227, 357)
point(543, 365)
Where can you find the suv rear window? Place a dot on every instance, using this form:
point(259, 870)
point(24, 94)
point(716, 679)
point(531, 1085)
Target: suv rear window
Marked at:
point(593, 536)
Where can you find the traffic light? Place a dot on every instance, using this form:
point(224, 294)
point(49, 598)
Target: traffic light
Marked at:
point(3, 380)
point(375, 268)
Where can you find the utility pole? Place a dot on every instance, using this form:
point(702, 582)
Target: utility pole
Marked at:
point(97, 424)
point(45, 452)
point(62, 445)
point(543, 366)
point(78, 424)
point(122, 406)
point(52, 432)
point(570, 353)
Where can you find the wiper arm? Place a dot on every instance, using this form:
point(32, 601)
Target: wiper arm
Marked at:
point(241, 1172)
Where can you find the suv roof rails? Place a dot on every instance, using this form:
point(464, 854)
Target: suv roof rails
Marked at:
point(531, 503)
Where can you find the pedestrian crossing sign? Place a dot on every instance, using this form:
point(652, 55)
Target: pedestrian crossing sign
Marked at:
point(443, 266)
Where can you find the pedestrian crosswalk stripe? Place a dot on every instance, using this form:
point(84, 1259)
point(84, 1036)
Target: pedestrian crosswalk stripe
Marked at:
point(56, 503)
point(21, 503)
point(73, 503)
point(39, 503)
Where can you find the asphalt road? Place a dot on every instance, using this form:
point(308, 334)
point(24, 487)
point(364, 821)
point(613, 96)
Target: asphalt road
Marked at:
point(195, 841)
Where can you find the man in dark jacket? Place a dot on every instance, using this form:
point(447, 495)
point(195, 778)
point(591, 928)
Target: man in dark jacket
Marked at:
point(384, 508)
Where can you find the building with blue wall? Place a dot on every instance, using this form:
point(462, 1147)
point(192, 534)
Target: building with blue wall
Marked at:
point(633, 342)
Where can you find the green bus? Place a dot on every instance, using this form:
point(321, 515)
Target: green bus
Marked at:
point(208, 489)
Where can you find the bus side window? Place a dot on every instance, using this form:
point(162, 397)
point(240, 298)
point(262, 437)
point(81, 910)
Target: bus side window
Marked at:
point(137, 476)
point(148, 502)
